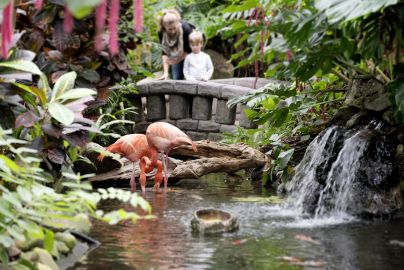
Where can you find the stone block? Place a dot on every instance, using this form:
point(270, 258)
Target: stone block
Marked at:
point(202, 108)
point(141, 127)
point(228, 128)
point(160, 87)
point(142, 86)
point(172, 122)
point(231, 91)
point(244, 121)
point(215, 137)
point(197, 136)
point(224, 115)
point(210, 89)
point(136, 101)
point(187, 124)
point(186, 87)
point(208, 126)
point(180, 106)
point(224, 81)
point(156, 107)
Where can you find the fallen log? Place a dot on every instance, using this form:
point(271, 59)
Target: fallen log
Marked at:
point(211, 157)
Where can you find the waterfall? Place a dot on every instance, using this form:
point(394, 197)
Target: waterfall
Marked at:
point(335, 196)
point(304, 183)
point(325, 177)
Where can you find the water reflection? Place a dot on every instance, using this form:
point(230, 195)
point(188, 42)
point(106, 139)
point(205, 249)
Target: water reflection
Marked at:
point(264, 240)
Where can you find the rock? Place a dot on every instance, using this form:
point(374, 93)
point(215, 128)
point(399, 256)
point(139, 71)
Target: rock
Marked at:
point(222, 67)
point(62, 247)
point(367, 93)
point(45, 258)
point(66, 238)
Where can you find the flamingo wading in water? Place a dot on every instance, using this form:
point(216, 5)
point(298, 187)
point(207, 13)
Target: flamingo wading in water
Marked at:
point(135, 148)
point(163, 137)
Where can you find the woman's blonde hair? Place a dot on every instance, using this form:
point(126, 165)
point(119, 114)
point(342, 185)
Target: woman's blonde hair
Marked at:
point(168, 16)
point(196, 37)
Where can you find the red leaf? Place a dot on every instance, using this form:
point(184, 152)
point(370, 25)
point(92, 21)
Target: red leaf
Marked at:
point(27, 119)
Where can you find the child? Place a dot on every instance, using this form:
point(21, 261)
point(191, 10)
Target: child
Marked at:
point(197, 65)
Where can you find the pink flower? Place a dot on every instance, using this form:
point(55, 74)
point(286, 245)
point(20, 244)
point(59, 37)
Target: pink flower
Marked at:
point(100, 14)
point(7, 28)
point(68, 21)
point(38, 4)
point(138, 18)
point(113, 27)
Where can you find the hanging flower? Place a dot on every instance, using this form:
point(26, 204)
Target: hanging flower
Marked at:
point(38, 4)
point(113, 27)
point(7, 28)
point(138, 18)
point(100, 15)
point(68, 21)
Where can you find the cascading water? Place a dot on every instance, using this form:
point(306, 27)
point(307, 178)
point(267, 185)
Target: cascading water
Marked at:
point(335, 196)
point(345, 173)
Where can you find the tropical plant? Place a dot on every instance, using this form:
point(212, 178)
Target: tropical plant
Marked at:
point(31, 212)
point(50, 117)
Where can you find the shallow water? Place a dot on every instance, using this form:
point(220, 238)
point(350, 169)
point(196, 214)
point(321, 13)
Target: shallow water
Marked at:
point(268, 238)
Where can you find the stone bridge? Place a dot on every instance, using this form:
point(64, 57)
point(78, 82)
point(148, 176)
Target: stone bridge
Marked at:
point(198, 108)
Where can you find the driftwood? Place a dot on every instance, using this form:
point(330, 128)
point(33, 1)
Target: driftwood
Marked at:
point(211, 157)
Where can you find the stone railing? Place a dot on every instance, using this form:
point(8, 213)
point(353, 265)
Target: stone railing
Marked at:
point(197, 108)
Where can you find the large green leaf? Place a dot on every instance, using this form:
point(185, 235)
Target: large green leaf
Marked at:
point(33, 90)
point(80, 8)
point(249, 4)
point(346, 10)
point(63, 84)
point(30, 67)
point(61, 113)
point(77, 93)
point(22, 65)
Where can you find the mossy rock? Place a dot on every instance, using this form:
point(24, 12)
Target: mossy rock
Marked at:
point(66, 238)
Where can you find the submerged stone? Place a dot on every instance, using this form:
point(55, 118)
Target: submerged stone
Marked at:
point(208, 221)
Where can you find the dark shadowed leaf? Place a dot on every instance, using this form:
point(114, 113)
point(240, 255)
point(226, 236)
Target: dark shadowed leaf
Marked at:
point(27, 119)
point(52, 130)
point(56, 155)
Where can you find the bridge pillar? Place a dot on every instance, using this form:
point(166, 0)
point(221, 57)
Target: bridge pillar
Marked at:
point(179, 106)
point(224, 115)
point(156, 107)
point(202, 108)
point(244, 121)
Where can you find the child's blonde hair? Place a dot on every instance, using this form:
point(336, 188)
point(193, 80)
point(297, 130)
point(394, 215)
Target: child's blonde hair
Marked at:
point(168, 16)
point(196, 37)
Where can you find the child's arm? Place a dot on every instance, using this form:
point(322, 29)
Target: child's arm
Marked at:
point(209, 68)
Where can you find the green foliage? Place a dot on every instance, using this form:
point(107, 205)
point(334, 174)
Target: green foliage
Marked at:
point(116, 117)
point(30, 210)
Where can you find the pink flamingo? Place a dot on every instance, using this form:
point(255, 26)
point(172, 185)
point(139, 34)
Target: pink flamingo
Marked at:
point(163, 137)
point(135, 148)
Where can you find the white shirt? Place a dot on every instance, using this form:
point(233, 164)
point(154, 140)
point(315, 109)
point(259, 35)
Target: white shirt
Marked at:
point(198, 67)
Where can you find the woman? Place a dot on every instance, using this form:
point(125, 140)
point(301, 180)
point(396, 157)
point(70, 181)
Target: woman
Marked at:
point(173, 37)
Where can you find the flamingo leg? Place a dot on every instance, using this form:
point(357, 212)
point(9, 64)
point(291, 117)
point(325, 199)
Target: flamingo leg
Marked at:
point(159, 176)
point(132, 179)
point(143, 168)
point(165, 162)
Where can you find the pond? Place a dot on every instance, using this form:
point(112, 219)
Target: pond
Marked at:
point(268, 236)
